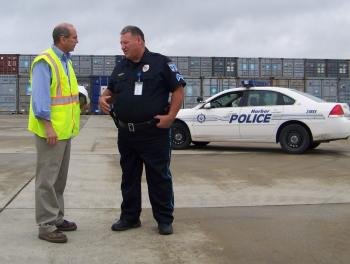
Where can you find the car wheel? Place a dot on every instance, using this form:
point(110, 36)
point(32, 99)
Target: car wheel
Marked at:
point(314, 145)
point(200, 143)
point(180, 136)
point(294, 139)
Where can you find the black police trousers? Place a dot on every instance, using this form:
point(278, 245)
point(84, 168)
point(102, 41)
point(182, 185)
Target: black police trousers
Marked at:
point(152, 151)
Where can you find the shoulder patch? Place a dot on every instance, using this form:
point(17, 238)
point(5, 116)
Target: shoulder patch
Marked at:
point(179, 77)
point(172, 66)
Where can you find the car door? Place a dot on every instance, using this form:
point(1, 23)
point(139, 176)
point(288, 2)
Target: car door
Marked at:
point(260, 117)
point(213, 119)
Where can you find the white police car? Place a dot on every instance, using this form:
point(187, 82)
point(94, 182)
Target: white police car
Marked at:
point(296, 120)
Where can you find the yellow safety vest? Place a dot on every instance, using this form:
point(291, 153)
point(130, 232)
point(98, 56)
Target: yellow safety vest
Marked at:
point(65, 108)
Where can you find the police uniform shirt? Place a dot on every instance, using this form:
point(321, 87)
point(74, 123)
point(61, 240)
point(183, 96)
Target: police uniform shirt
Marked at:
point(159, 77)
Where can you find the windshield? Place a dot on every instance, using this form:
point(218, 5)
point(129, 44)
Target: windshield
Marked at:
point(313, 98)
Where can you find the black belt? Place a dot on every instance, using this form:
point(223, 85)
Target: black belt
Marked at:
point(134, 127)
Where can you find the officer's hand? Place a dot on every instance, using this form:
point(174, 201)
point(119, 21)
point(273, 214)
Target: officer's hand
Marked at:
point(165, 121)
point(104, 101)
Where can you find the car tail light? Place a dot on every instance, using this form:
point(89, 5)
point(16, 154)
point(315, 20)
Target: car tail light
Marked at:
point(337, 111)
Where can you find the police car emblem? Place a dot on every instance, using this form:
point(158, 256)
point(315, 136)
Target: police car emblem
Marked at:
point(145, 68)
point(172, 66)
point(201, 118)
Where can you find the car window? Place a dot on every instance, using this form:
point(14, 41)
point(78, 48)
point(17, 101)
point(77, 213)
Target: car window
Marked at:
point(287, 100)
point(266, 98)
point(227, 100)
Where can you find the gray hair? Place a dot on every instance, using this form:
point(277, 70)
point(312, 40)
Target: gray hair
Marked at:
point(61, 30)
point(135, 31)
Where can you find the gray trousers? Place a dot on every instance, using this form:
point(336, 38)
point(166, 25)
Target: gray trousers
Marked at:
point(50, 182)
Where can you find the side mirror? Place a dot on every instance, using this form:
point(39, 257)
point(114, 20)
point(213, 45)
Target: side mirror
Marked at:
point(207, 106)
point(199, 99)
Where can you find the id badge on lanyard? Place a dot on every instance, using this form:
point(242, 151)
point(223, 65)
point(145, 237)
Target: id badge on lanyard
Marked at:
point(138, 85)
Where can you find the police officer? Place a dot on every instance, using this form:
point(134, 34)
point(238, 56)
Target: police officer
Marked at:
point(139, 89)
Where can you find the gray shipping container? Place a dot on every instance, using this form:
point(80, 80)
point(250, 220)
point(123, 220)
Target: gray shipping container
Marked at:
point(192, 91)
point(206, 67)
point(183, 65)
point(228, 83)
point(8, 93)
point(344, 91)
point(293, 68)
point(323, 88)
point(338, 68)
point(211, 86)
point(103, 65)
point(230, 67)
point(24, 89)
point(193, 87)
point(248, 67)
point(82, 65)
point(315, 68)
point(194, 67)
point(270, 67)
point(219, 66)
point(25, 62)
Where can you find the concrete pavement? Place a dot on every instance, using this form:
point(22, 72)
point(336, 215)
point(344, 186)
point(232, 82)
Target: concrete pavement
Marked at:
point(233, 204)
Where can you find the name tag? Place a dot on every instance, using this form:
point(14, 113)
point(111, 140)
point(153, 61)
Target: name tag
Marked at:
point(138, 88)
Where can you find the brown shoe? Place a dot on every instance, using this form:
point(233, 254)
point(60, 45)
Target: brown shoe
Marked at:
point(67, 226)
point(54, 237)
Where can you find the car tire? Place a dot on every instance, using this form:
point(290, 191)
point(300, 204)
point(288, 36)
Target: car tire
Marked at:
point(294, 139)
point(314, 145)
point(200, 143)
point(180, 136)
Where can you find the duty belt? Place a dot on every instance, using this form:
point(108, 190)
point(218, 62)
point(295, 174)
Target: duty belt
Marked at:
point(135, 127)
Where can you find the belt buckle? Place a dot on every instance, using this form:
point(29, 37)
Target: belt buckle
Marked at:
point(131, 127)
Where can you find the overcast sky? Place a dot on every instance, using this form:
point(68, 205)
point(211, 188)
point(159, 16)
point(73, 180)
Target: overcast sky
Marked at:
point(229, 28)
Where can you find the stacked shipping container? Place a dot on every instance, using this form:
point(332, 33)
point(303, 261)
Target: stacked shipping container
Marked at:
point(205, 76)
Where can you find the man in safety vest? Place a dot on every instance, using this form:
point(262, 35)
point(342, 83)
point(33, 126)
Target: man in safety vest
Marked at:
point(54, 119)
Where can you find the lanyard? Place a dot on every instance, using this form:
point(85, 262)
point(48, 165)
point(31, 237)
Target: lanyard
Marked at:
point(138, 76)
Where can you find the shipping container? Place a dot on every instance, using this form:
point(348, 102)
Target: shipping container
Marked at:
point(230, 67)
point(325, 88)
point(210, 86)
point(281, 83)
point(8, 93)
point(344, 91)
point(248, 67)
point(194, 67)
point(315, 68)
point(82, 65)
point(98, 85)
point(228, 84)
point(8, 64)
point(219, 67)
point(24, 90)
point(183, 65)
point(270, 67)
point(103, 65)
point(25, 62)
point(192, 91)
point(297, 84)
point(293, 68)
point(206, 67)
point(338, 68)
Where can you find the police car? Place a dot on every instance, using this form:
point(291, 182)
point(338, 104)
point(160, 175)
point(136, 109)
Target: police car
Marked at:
point(296, 120)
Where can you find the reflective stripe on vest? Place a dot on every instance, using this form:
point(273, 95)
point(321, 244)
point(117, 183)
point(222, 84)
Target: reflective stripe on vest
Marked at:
point(58, 88)
point(63, 100)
